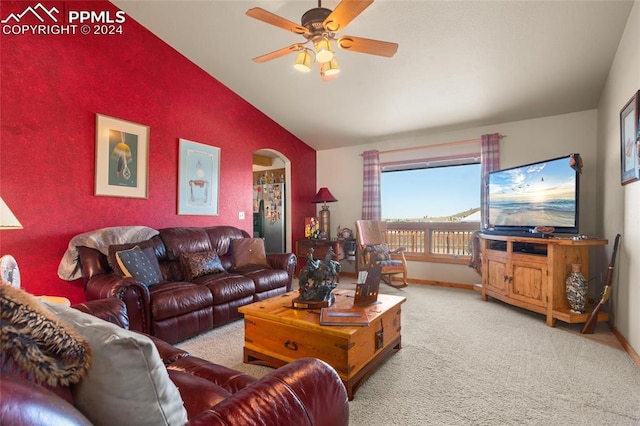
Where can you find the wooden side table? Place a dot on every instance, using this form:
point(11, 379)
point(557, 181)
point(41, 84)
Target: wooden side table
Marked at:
point(320, 249)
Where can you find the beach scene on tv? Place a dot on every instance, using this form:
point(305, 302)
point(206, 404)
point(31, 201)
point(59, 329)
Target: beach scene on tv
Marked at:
point(541, 194)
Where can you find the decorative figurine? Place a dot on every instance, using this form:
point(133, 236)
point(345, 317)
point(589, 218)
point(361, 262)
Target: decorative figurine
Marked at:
point(317, 280)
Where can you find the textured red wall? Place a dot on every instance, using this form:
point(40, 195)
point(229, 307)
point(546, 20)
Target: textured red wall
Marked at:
point(52, 86)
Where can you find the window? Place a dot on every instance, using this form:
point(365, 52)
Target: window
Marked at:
point(439, 194)
point(432, 211)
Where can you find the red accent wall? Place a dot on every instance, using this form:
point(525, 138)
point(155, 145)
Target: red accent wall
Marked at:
point(52, 86)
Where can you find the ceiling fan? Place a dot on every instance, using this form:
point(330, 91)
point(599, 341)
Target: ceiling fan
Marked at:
point(320, 26)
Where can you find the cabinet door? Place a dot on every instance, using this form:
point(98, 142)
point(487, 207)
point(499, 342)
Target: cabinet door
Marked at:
point(497, 276)
point(529, 282)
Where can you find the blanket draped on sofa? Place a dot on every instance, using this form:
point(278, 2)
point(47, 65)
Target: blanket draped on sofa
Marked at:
point(100, 239)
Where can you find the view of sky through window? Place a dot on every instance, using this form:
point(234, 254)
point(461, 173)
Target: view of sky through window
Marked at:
point(430, 193)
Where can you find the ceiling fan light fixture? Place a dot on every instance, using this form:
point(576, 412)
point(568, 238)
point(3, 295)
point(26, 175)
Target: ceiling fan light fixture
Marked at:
point(330, 68)
point(319, 26)
point(303, 61)
point(324, 52)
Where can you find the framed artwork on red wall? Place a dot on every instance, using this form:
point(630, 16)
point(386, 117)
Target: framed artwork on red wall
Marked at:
point(198, 178)
point(122, 158)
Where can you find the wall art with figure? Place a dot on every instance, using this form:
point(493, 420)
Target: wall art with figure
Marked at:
point(198, 183)
point(630, 141)
point(122, 158)
point(123, 170)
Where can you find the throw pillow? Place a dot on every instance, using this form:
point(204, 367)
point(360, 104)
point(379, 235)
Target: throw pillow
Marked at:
point(47, 349)
point(380, 252)
point(195, 265)
point(114, 248)
point(136, 263)
point(128, 383)
point(248, 251)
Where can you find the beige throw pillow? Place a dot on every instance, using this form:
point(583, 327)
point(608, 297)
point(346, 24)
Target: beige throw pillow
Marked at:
point(127, 383)
point(248, 251)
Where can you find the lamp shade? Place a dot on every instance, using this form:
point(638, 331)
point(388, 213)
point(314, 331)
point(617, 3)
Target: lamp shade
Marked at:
point(330, 68)
point(324, 52)
point(303, 61)
point(323, 196)
point(7, 218)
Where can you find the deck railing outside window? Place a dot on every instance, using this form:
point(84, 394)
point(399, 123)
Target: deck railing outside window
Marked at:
point(445, 242)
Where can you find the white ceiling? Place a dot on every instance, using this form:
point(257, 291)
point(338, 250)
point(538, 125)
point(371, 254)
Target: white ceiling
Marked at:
point(459, 64)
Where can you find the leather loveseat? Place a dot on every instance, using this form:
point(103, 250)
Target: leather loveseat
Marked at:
point(304, 392)
point(180, 307)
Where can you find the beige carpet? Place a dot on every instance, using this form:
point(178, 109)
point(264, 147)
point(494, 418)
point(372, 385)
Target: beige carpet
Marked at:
point(468, 362)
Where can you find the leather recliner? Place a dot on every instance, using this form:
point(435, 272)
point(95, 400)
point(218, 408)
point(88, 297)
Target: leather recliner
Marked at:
point(176, 309)
point(304, 392)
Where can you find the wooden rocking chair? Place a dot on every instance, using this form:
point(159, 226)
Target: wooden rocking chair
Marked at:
point(371, 239)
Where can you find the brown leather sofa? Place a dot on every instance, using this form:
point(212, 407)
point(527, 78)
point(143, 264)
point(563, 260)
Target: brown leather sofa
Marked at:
point(304, 392)
point(176, 309)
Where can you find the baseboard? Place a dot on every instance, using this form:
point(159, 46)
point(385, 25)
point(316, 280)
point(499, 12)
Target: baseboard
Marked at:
point(398, 278)
point(440, 284)
point(625, 344)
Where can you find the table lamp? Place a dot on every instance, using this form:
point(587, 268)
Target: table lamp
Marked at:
point(7, 218)
point(9, 272)
point(324, 196)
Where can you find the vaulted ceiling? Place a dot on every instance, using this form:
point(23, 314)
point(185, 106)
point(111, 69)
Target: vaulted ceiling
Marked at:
point(459, 63)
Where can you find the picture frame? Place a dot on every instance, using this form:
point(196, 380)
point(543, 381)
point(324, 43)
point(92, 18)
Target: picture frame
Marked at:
point(122, 158)
point(629, 141)
point(198, 179)
point(311, 227)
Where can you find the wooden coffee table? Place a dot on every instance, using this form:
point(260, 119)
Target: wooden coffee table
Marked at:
point(276, 334)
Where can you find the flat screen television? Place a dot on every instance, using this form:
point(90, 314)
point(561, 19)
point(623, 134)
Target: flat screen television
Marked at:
point(542, 194)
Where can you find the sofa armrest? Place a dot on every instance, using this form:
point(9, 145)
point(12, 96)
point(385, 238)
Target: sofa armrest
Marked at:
point(304, 392)
point(134, 294)
point(25, 403)
point(111, 309)
point(227, 378)
point(285, 261)
point(168, 353)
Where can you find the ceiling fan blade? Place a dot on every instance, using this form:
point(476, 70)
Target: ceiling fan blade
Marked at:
point(366, 45)
point(273, 19)
point(280, 52)
point(345, 12)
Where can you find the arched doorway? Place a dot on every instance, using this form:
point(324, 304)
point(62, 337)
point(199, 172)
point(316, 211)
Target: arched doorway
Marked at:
point(272, 179)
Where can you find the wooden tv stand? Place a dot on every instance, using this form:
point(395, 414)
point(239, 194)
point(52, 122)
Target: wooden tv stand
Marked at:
point(530, 273)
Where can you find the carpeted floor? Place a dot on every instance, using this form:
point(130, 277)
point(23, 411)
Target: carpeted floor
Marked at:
point(468, 362)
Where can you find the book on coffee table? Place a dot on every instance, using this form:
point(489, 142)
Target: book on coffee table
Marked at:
point(348, 316)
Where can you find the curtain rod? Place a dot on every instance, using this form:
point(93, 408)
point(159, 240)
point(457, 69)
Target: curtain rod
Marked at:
point(435, 145)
